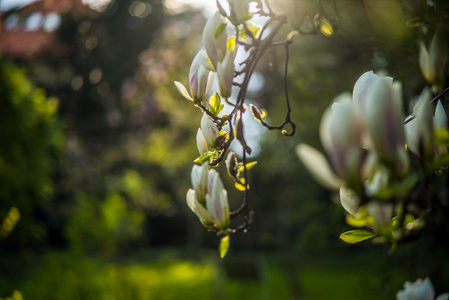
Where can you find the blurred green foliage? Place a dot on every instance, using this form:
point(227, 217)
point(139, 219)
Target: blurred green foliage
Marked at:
point(31, 143)
point(103, 229)
point(169, 275)
point(129, 143)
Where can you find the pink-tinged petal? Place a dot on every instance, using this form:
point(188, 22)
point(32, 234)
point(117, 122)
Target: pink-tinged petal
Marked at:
point(209, 129)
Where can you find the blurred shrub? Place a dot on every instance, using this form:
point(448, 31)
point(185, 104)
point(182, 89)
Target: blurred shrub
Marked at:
point(103, 227)
point(30, 144)
point(70, 276)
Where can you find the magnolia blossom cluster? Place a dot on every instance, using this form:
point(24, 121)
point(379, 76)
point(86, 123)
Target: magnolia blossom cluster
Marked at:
point(369, 148)
point(208, 199)
point(217, 56)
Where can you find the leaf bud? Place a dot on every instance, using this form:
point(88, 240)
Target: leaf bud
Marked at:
point(209, 130)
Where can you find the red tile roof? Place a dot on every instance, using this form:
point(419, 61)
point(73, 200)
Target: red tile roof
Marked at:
point(18, 43)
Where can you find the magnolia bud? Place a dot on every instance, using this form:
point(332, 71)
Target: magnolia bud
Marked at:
point(440, 124)
point(209, 130)
point(440, 120)
point(200, 79)
point(225, 74)
point(215, 38)
point(239, 11)
point(296, 11)
point(420, 134)
point(432, 62)
point(231, 164)
point(201, 142)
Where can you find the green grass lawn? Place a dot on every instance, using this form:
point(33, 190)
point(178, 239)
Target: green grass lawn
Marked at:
point(65, 275)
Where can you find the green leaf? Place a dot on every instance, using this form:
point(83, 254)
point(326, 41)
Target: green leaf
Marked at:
point(253, 29)
point(224, 246)
point(354, 221)
point(215, 104)
point(219, 30)
point(205, 157)
point(241, 186)
point(326, 28)
point(231, 43)
point(248, 166)
point(258, 114)
point(356, 236)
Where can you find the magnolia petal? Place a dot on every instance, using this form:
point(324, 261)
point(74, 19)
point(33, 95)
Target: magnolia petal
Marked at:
point(440, 120)
point(361, 87)
point(199, 176)
point(198, 209)
point(384, 120)
point(201, 142)
point(182, 89)
point(209, 129)
point(318, 166)
point(349, 200)
point(210, 80)
point(424, 62)
point(444, 296)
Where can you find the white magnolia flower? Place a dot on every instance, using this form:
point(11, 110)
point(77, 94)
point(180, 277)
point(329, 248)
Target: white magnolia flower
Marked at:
point(419, 290)
point(208, 199)
point(214, 39)
point(200, 79)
